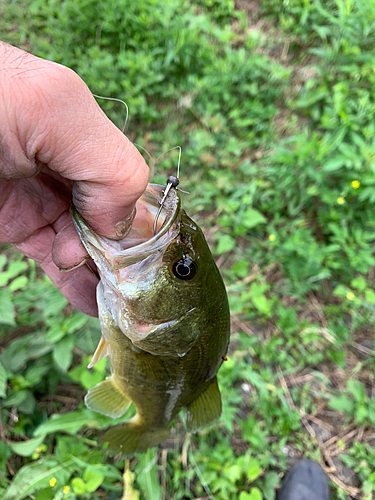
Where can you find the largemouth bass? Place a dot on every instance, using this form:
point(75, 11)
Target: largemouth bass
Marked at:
point(164, 316)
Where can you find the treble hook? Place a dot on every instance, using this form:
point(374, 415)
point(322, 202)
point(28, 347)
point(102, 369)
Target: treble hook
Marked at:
point(172, 182)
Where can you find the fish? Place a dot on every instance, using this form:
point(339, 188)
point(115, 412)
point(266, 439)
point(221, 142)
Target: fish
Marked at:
point(165, 323)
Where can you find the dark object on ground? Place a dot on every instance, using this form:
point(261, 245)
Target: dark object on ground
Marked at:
point(306, 480)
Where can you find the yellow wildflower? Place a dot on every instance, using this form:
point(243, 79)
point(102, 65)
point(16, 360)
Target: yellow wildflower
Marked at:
point(38, 450)
point(272, 237)
point(52, 482)
point(66, 489)
point(355, 184)
point(350, 296)
point(340, 200)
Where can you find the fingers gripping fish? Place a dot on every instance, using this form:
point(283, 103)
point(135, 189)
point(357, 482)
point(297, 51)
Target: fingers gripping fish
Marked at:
point(164, 316)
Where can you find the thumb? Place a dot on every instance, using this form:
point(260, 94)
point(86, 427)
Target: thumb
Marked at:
point(62, 126)
point(83, 145)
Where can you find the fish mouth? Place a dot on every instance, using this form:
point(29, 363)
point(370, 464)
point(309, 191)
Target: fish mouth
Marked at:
point(140, 242)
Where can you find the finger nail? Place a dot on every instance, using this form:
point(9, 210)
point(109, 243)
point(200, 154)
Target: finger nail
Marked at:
point(123, 227)
point(67, 269)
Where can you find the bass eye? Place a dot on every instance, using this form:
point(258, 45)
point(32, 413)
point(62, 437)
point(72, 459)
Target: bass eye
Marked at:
point(184, 268)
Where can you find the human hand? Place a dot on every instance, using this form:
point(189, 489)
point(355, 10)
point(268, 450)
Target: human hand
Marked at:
point(57, 146)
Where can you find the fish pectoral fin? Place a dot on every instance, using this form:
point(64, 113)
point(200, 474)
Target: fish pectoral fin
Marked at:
point(205, 409)
point(132, 437)
point(108, 399)
point(100, 352)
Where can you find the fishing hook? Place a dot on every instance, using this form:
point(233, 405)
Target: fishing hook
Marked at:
point(172, 182)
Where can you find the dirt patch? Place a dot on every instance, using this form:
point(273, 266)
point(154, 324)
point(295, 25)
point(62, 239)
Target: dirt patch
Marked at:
point(252, 8)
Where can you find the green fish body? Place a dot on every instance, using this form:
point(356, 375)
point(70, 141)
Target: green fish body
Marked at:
point(164, 316)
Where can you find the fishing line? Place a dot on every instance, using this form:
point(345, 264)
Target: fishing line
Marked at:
point(179, 158)
point(172, 181)
point(123, 130)
point(117, 100)
point(152, 163)
point(178, 166)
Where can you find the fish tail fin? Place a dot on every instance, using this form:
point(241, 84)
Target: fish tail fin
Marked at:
point(132, 437)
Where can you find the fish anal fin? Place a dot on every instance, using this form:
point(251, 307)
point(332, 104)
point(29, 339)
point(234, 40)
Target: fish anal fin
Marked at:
point(108, 399)
point(131, 437)
point(205, 409)
point(100, 352)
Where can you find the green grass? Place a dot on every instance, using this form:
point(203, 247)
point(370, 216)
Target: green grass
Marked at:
point(274, 109)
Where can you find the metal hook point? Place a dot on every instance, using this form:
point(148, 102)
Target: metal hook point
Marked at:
point(172, 182)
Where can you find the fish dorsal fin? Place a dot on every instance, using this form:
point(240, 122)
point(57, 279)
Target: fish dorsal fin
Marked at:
point(107, 398)
point(100, 352)
point(205, 409)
